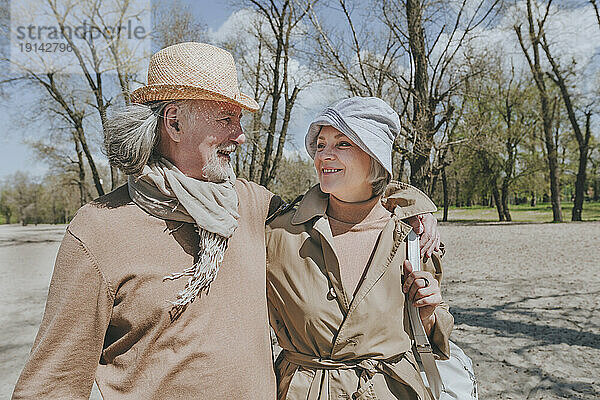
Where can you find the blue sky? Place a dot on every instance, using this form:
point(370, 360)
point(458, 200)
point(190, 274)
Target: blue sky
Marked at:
point(210, 12)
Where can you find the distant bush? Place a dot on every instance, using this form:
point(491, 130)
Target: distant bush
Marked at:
point(52, 199)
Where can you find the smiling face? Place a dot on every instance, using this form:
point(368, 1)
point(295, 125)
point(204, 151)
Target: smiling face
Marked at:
point(206, 134)
point(342, 167)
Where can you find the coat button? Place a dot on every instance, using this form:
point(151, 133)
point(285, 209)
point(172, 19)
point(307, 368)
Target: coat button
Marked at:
point(331, 294)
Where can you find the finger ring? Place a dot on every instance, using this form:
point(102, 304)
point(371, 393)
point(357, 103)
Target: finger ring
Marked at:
point(426, 281)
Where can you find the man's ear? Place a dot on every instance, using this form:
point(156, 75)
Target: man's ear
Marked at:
point(170, 122)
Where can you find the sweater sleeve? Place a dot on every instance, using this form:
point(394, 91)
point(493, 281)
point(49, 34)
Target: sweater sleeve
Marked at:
point(444, 321)
point(66, 352)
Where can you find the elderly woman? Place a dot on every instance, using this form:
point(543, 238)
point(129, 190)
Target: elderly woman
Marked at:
point(335, 266)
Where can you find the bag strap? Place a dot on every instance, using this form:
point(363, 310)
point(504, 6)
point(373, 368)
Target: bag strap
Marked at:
point(422, 345)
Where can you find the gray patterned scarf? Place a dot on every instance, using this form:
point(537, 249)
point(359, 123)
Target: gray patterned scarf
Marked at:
point(165, 192)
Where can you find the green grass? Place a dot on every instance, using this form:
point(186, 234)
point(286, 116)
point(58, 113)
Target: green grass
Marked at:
point(520, 213)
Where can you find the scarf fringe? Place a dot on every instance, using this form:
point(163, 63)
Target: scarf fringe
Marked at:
point(210, 255)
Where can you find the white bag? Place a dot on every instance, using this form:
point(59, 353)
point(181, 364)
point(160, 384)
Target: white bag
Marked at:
point(457, 376)
point(451, 379)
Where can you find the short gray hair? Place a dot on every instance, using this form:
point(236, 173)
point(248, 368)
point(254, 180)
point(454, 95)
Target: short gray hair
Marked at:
point(378, 177)
point(132, 135)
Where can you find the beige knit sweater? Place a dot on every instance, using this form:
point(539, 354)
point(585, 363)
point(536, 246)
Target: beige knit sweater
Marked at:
point(107, 313)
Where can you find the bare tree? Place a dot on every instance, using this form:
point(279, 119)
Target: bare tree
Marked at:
point(445, 155)
point(432, 61)
point(91, 56)
point(253, 69)
point(582, 135)
point(59, 159)
point(362, 60)
point(73, 114)
point(531, 50)
point(175, 23)
point(391, 55)
point(282, 19)
point(275, 35)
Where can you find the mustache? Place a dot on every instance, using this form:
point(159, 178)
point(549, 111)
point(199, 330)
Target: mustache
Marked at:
point(227, 147)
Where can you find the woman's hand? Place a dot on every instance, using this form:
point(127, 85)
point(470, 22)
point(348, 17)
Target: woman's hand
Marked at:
point(423, 292)
point(425, 225)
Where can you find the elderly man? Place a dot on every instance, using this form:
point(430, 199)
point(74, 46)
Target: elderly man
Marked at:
point(129, 303)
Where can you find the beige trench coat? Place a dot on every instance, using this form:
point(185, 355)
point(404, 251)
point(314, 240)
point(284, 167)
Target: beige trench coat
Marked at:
point(335, 347)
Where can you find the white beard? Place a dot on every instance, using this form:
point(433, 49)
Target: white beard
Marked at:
point(216, 170)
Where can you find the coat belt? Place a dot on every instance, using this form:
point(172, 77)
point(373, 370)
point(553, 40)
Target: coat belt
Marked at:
point(319, 388)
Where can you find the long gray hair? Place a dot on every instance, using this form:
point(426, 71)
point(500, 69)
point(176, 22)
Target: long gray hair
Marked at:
point(132, 136)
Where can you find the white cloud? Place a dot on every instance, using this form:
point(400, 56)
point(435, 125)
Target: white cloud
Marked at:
point(234, 27)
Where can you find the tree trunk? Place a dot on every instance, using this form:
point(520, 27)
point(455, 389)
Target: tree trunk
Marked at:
point(547, 114)
point(101, 105)
point(256, 118)
point(423, 119)
point(81, 170)
point(554, 179)
point(90, 160)
point(76, 118)
point(533, 199)
point(400, 172)
point(582, 139)
point(254, 155)
point(504, 195)
point(433, 184)
point(275, 96)
point(446, 197)
point(580, 183)
point(7, 215)
point(497, 201)
point(237, 162)
point(289, 104)
point(457, 202)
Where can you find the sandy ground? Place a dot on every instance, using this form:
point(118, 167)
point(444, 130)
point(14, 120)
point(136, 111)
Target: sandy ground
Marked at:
point(530, 324)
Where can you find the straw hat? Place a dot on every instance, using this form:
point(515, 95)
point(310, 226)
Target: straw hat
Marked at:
point(193, 71)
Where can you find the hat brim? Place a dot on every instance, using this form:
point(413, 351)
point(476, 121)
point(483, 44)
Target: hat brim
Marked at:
point(150, 93)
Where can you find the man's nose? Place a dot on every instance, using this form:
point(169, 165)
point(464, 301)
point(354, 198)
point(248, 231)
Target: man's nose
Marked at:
point(238, 136)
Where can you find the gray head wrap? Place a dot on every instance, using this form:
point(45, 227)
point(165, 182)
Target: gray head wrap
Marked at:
point(368, 121)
